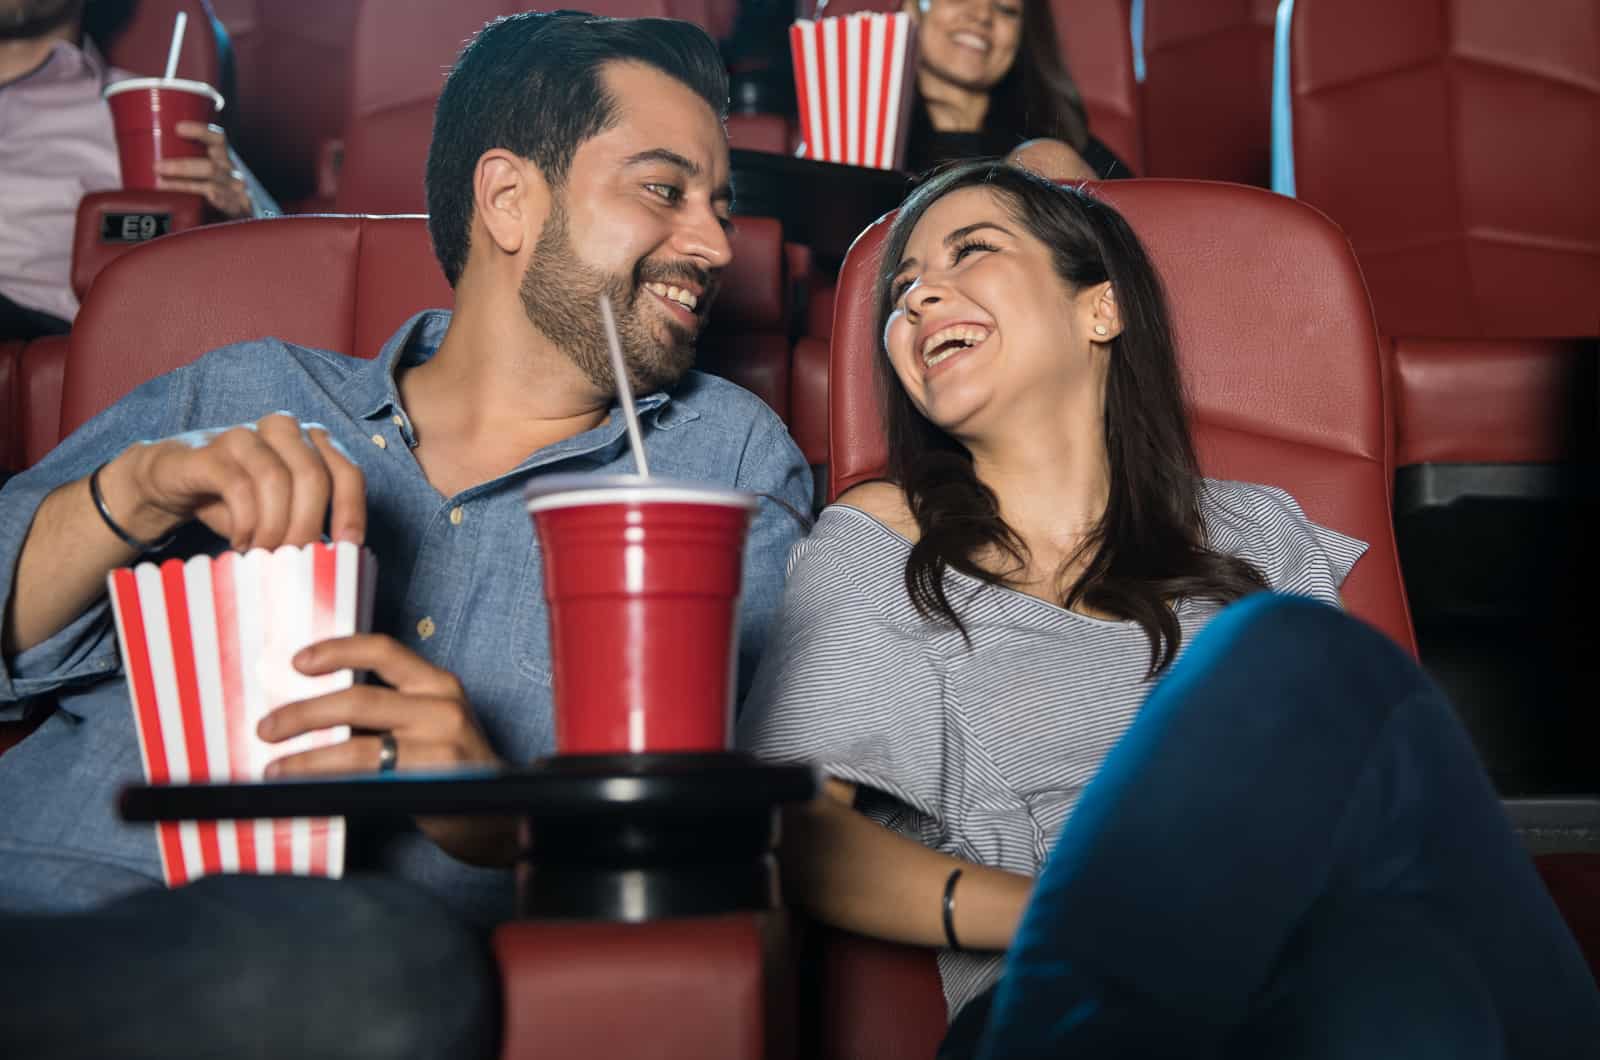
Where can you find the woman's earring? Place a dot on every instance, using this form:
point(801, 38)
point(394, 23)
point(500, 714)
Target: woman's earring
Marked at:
point(1100, 329)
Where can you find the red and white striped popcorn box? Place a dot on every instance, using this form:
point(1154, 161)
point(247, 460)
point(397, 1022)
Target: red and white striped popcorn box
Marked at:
point(207, 646)
point(853, 80)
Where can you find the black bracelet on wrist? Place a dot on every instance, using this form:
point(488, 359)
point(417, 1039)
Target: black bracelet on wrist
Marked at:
point(950, 910)
point(128, 539)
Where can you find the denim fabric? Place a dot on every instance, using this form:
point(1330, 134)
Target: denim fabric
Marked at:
point(1292, 852)
point(478, 581)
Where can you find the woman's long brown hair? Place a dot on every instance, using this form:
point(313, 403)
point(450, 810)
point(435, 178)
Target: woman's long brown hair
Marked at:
point(1150, 546)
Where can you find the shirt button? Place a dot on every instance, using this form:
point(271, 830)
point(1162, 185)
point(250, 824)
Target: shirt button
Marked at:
point(425, 628)
point(456, 515)
point(398, 422)
point(380, 441)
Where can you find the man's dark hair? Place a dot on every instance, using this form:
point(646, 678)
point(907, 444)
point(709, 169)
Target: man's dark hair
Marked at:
point(531, 84)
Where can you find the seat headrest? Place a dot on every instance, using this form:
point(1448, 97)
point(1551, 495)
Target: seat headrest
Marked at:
point(334, 283)
point(140, 43)
point(753, 287)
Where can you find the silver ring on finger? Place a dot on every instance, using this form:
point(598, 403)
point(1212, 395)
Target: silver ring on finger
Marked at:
point(388, 752)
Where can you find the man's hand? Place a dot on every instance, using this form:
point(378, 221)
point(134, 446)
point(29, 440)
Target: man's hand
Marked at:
point(259, 486)
point(213, 177)
point(424, 708)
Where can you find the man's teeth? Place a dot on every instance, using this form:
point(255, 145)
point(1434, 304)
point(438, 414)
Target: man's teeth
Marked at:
point(687, 299)
point(957, 339)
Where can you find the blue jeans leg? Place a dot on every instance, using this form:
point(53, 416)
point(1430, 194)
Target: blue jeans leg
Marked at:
point(1294, 768)
point(240, 966)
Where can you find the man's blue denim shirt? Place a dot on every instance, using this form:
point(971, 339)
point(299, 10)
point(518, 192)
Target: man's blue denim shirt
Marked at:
point(462, 591)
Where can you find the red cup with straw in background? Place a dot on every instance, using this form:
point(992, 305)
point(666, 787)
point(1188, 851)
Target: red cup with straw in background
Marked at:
point(145, 112)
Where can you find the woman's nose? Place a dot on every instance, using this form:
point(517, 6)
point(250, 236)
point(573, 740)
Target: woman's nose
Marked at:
point(921, 296)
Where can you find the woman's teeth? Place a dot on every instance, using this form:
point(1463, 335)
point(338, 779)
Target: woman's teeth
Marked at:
point(970, 40)
point(942, 345)
point(687, 299)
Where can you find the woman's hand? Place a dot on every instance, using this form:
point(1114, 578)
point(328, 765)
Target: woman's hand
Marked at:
point(1052, 160)
point(854, 873)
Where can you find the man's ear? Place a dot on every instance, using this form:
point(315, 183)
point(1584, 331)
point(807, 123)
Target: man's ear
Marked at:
point(511, 199)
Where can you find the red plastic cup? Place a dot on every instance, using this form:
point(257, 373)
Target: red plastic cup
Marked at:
point(145, 112)
point(642, 580)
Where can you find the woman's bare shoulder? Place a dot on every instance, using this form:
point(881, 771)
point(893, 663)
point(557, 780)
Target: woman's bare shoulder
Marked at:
point(885, 502)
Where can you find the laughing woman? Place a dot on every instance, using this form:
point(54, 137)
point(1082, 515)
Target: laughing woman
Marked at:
point(1143, 808)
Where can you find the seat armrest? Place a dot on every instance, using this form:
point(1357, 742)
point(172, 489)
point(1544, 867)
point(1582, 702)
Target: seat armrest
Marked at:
point(872, 1000)
point(692, 988)
point(40, 371)
point(110, 223)
point(1493, 401)
point(11, 404)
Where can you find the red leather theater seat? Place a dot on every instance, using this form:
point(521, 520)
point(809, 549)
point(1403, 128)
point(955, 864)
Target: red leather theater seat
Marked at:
point(1455, 141)
point(398, 59)
point(1096, 41)
point(292, 70)
point(10, 405)
point(39, 374)
point(1207, 91)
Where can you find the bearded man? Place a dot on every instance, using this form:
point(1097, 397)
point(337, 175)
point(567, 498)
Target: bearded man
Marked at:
point(572, 157)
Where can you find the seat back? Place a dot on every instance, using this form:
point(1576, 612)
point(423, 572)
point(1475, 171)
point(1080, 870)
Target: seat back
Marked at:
point(291, 60)
point(335, 283)
point(1097, 44)
point(11, 408)
point(1457, 142)
point(344, 284)
point(1287, 379)
point(398, 62)
point(1207, 94)
point(140, 42)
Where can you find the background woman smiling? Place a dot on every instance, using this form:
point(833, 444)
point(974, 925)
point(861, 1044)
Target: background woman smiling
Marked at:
point(989, 78)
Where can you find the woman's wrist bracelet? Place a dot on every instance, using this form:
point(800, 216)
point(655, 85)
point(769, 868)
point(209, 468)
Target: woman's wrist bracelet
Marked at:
point(128, 539)
point(950, 910)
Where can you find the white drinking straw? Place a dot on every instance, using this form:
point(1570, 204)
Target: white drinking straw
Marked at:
point(624, 391)
point(179, 24)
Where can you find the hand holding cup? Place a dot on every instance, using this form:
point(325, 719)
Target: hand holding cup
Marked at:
point(211, 176)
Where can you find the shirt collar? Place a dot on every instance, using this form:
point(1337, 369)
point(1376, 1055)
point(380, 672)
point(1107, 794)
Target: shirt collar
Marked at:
point(375, 391)
point(66, 61)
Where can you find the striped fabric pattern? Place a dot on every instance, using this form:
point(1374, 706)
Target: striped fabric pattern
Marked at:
point(981, 752)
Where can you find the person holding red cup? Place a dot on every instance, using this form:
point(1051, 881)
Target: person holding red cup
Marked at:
point(60, 144)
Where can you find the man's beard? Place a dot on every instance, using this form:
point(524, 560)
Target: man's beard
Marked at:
point(561, 295)
point(28, 19)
